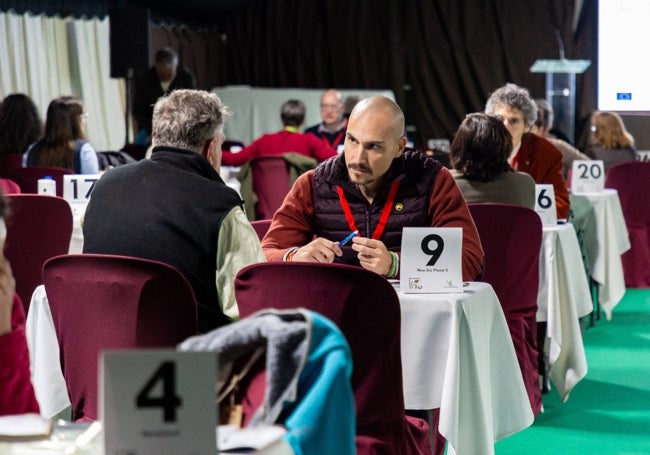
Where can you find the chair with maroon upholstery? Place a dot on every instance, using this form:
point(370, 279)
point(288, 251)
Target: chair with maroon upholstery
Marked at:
point(512, 237)
point(27, 177)
point(631, 180)
point(366, 308)
point(261, 227)
point(270, 184)
point(112, 302)
point(9, 186)
point(10, 162)
point(38, 228)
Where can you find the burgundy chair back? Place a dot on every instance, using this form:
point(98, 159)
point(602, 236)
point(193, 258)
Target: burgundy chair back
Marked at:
point(631, 180)
point(112, 302)
point(365, 307)
point(9, 187)
point(270, 184)
point(9, 163)
point(38, 228)
point(261, 227)
point(512, 238)
point(27, 177)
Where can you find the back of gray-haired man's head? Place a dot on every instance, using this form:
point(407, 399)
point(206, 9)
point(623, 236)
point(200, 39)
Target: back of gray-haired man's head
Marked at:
point(187, 119)
point(515, 97)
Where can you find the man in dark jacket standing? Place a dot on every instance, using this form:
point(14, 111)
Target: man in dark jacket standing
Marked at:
point(166, 75)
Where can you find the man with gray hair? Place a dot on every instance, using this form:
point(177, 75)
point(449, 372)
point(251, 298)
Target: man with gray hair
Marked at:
point(531, 154)
point(175, 207)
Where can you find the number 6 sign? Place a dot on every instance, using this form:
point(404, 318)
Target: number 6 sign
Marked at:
point(150, 400)
point(431, 260)
point(545, 204)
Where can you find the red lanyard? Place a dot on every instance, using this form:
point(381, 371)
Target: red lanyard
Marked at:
point(385, 212)
point(337, 140)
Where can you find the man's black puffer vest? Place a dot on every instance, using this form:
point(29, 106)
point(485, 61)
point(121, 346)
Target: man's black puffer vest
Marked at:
point(416, 173)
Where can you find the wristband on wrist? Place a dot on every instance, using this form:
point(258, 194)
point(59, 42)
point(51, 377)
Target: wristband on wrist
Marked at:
point(288, 256)
point(394, 265)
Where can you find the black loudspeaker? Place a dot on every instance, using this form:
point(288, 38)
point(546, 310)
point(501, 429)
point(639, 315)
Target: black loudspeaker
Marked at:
point(129, 41)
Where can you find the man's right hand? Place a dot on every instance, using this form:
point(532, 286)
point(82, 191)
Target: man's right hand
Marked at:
point(319, 250)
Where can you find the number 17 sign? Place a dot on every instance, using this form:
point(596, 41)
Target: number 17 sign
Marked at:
point(431, 260)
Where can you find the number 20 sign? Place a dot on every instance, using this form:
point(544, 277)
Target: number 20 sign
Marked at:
point(587, 176)
point(150, 400)
point(431, 260)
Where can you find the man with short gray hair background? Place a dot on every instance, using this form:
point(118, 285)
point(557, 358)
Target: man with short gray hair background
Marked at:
point(175, 207)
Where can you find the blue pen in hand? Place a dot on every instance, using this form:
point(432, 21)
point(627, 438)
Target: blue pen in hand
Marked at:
point(348, 238)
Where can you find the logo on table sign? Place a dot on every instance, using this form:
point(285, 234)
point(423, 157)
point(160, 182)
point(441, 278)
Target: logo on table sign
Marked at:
point(449, 284)
point(415, 283)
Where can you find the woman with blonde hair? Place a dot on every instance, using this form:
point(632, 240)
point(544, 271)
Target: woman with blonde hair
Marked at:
point(64, 142)
point(609, 140)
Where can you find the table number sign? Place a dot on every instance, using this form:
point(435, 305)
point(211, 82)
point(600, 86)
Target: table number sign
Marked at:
point(587, 176)
point(545, 204)
point(77, 189)
point(158, 401)
point(431, 260)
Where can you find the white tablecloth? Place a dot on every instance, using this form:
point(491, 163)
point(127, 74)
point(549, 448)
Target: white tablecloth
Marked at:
point(600, 217)
point(457, 355)
point(47, 377)
point(257, 110)
point(87, 439)
point(563, 298)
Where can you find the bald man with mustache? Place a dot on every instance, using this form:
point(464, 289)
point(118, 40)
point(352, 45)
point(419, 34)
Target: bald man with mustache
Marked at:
point(376, 187)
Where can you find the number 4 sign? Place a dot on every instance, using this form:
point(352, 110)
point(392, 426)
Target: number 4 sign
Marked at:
point(431, 260)
point(158, 401)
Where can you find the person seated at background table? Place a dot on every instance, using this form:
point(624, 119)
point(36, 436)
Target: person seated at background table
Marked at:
point(609, 140)
point(175, 208)
point(16, 391)
point(166, 75)
point(331, 130)
point(377, 187)
point(542, 127)
point(288, 140)
point(20, 124)
point(530, 153)
point(479, 154)
point(64, 143)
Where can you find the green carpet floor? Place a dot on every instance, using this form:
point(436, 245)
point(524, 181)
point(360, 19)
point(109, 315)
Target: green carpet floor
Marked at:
point(608, 412)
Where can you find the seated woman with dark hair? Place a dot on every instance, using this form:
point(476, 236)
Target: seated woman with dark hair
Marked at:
point(479, 157)
point(64, 144)
point(16, 391)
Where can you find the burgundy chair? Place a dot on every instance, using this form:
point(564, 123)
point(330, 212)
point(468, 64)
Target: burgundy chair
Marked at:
point(112, 302)
point(9, 163)
point(270, 184)
point(27, 177)
point(512, 238)
point(38, 228)
point(9, 186)
point(631, 180)
point(366, 308)
point(261, 227)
